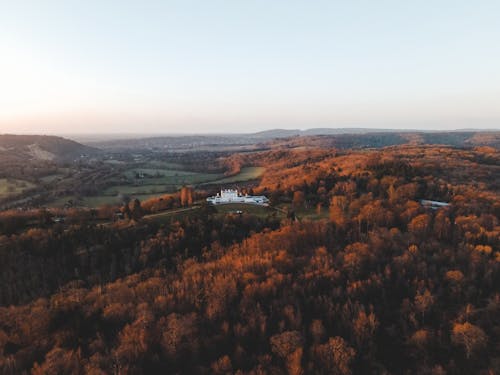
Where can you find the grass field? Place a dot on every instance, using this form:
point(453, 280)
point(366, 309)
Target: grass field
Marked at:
point(98, 200)
point(174, 178)
point(114, 162)
point(158, 178)
point(252, 209)
point(51, 178)
point(164, 180)
point(246, 174)
point(10, 187)
point(158, 173)
point(165, 165)
point(137, 190)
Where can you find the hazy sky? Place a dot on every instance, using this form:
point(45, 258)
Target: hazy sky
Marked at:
point(212, 66)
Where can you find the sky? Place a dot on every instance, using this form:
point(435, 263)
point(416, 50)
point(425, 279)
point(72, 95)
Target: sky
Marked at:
point(199, 66)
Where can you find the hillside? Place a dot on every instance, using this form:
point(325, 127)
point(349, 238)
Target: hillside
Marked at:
point(385, 139)
point(320, 137)
point(283, 133)
point(176, 143)
point(39, 147)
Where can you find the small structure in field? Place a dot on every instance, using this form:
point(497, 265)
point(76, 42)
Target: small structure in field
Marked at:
point(433, 204)
point(233, 196)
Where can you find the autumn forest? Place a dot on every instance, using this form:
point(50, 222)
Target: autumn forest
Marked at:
point(348, 271)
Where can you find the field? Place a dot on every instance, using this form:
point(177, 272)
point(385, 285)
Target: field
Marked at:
point(97, 200)
point(148, 181)
point(234, 208)
point(51, 178)
point(11, 187)
point(153, 179)
point(246, 174)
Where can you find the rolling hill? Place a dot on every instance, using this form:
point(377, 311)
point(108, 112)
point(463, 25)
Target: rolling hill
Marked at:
point(41, 147)
point(318, 137)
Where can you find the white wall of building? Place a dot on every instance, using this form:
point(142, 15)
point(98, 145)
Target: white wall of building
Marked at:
point(232, 196)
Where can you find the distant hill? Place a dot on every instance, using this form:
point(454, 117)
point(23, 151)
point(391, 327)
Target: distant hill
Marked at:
point(41, 147)
point(463, 138)
point(183, 142)
point(384, 139)
point(321, 137)
point(284, 133)
point(275, 133)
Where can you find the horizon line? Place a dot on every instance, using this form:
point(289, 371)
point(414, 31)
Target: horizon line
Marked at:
point(178, 134)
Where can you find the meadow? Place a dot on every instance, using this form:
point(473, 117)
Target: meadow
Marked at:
point(246, 174)
point(251, 209)
point(12, 187)
point(152, 179)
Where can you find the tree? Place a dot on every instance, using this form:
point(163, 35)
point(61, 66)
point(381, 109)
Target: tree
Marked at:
point(364, 327)
point(136, 211)
point(455, 276)
point(420, 224)
point(419, 342)
point(423, 302)
point(442, 225)
point(222, 366)
point(356, 257)
point(470, 336)
point(127, 213)
point(186, 196)
point(285, 343)
point(294, 362)
point(338, 207)
point(180, 335)
point(391, 193)
point(335, 357)
point(317, 330)
point(59, 362)
point(298, 198)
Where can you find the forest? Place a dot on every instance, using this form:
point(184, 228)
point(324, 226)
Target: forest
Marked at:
point(358, 277)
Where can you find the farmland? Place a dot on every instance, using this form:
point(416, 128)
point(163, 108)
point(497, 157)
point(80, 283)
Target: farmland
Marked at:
point(12, 187)
point(246, 174)
point(146, 180)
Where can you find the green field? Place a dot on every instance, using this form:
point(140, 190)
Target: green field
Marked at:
point(98, 200)
point(157, 174)
point(251, 209)
point(11, 187)
point(114, 162)
point(246, 174)
point(166, 176)
point(156, 179)
point(136, 190)
point(51, 178)
point(158, 164)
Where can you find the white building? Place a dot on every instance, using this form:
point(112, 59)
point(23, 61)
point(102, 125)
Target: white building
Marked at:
point(433, 204)
point(232, 196)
